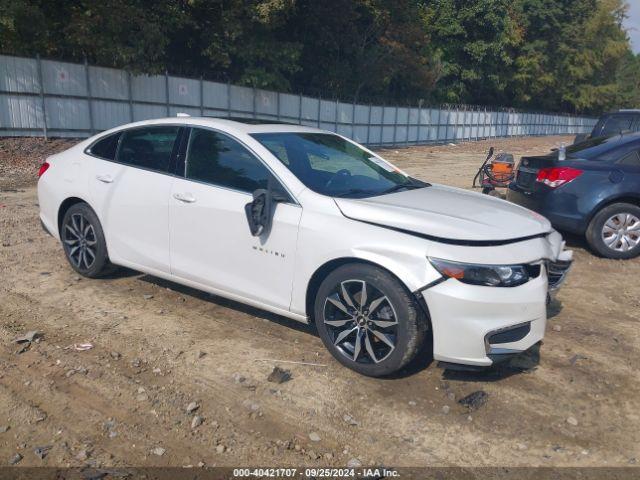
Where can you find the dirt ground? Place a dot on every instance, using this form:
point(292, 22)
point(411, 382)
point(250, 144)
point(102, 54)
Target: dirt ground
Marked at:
point(158, 346)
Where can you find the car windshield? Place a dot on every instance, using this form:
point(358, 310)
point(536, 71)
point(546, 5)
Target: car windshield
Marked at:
point(330, 165)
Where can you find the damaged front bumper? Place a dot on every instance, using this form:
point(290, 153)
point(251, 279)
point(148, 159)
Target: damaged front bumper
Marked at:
point(479, 326)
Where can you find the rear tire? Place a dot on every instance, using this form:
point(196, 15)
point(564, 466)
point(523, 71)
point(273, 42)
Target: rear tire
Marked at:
point(83, 241)
point(375, 333)
point(614, 232)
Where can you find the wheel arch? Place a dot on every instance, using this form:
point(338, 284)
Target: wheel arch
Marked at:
point(66, 204)
point(321, 272)
point(633, 200)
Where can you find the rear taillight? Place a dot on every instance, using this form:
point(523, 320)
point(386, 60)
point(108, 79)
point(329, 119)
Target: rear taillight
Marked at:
point(43, 168)
point(557, 176)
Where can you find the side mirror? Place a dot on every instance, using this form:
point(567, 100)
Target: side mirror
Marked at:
point(258, 212)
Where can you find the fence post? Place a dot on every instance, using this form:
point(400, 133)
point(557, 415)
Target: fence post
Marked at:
point(335, 127)
point(255, 113)
point(439, 121)
point(166, 88)
point(89, 102)
point(130, 94)
point(319, 108)
point(201, 97)
point(395, 127)
point(408, 124)
point(484, 128)
point(369, 126)
point(419, 122)
point(42, 102)
point(353, 120)
point(278, 106)
point(477, 126)
point(455, 128)
point(300, 110)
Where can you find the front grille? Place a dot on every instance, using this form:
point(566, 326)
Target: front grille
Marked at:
point(556, 273)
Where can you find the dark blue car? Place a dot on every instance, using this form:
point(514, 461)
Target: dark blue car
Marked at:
point(594, 191)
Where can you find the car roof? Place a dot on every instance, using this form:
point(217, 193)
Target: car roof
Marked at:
point(232, 124)
point(622, 112)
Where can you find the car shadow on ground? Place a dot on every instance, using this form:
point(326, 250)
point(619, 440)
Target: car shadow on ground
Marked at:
point(554, 307)
point(231, 304)
point(522, 364)
point(576, 241)
point(120, 272)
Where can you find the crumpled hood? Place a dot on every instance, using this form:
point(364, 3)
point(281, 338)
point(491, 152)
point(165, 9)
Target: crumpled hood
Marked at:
point(447, 213)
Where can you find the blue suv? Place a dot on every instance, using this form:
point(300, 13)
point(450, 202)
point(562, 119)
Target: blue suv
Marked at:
point(591, 188)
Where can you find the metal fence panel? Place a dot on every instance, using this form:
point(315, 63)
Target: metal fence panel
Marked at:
point(108, 83)
point(108, 114)
point(67, 114)
point(146, 112)
point(241, 100)
point(175, 110)
point(19, 75)
point(145, 88)
point(63, 78)
point(184, 91)
point(215, 95)
point(21, 113)
point(289, 107)
point(266, 104)
point(46, 97)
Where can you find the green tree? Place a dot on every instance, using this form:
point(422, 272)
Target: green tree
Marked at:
point(475, 40)
point(569, 55)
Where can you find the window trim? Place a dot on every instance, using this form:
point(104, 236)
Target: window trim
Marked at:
point(292, 199)
point(172, 161)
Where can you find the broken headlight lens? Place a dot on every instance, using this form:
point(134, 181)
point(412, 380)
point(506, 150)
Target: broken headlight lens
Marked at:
point(486, 275)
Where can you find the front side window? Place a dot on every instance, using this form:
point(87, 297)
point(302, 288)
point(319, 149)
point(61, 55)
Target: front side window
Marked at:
point(149, 147)
point(106, 147)
point(217, 159)
point(331, 165)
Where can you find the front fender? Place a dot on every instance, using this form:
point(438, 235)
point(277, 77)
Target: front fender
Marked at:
point(323, 239)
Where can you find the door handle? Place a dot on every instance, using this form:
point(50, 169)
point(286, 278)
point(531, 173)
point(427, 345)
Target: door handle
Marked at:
point(104, 178)
point(184, 197)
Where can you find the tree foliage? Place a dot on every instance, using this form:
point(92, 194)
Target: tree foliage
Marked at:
point(568, 55)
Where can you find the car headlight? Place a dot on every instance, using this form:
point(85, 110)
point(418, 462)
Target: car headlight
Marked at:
point(487, 275)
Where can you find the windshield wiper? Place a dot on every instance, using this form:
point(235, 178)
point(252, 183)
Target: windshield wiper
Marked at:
point(354, 191)
point(411, 185)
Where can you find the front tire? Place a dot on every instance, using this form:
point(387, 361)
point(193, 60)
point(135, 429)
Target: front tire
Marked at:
point(83, 241)
point(614, 232)
point(368, 320)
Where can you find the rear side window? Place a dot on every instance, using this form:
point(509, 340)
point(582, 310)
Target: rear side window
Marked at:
point(149, 147)
point(106, 147)
point(219, 160)
point(631, 159)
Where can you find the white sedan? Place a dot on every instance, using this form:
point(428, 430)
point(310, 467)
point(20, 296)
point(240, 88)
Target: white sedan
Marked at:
point(309, 225)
